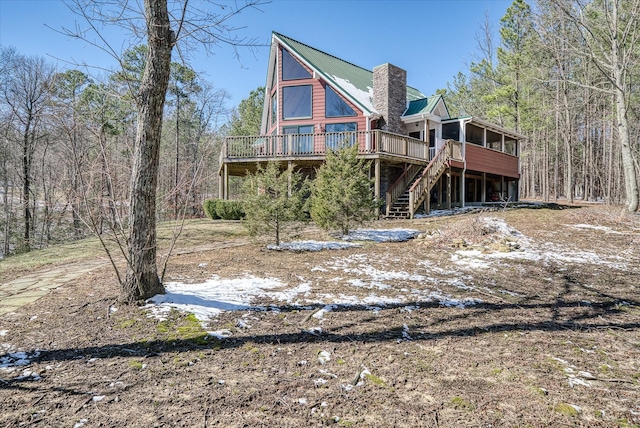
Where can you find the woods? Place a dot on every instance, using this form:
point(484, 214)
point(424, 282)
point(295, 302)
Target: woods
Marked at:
point(66, 153)
point(563, 74)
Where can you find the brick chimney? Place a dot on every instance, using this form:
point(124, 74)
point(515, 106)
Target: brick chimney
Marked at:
point(390, 96)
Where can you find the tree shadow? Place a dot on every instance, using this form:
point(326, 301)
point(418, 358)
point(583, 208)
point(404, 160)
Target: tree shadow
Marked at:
point(586, 317)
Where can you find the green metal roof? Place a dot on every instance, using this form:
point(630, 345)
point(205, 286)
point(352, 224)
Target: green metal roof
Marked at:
point(422, 106)
point(355, 81)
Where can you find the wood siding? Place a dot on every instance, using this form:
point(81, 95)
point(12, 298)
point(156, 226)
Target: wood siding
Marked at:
point(491, 161)
point(318, 119)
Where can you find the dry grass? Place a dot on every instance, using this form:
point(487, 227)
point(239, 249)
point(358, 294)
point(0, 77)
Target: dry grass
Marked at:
point(516, 359)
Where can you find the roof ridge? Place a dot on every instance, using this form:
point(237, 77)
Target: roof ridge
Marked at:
point(322, 52)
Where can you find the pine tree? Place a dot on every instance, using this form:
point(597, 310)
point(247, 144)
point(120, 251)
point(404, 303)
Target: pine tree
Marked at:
point(341, 194)
point(273, 199)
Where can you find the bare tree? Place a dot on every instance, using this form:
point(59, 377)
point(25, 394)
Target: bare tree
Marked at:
point(610, 32)
point(163, 24)
point(28, 93)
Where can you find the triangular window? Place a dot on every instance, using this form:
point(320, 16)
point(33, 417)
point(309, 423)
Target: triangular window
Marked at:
point(335, 106)
point(291, 68)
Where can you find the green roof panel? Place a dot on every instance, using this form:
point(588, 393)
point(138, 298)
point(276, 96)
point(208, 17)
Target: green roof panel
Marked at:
point(422, 105)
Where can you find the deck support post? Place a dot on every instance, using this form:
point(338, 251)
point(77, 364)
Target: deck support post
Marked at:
point(449, 188)
point(220, 187)
point(289, 177)
point(376, 190)
point(483, 195)
point(225, 182)
point(463, 196)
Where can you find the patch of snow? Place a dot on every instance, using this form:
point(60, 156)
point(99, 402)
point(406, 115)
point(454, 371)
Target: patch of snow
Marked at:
point(302, 401)
point(321, 312)
point(28, 375)
point(577, 408)
point(382, 235)
point(405, 332)
point(98, 397)
point(363, 375)
point(586, 375)
point(311, 246)
point(316, 331)
point(240, 323)
point(220, 334)
point(80, 423)
point(17, 359)
point(444, 213)
point(320, 382)
point(363, 97)
point(550, 253)
point(324, 357)
point(591, 226)
point(208, 299)
point(326, 373)
point(450, 302)
point(4, 332)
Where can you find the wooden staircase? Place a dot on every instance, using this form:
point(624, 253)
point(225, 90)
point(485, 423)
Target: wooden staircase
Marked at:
point(414, 186)
point(397, 196)
point(400, 207)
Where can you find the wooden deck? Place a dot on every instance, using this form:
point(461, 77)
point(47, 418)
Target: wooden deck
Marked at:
point(310, 148)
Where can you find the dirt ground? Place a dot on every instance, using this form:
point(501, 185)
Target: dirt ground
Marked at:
point(536, 342)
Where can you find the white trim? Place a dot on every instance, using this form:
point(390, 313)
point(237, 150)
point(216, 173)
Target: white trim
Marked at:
point(419, 117)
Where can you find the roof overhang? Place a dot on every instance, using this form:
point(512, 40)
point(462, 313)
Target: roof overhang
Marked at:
point(488, 125)
point(420, 117)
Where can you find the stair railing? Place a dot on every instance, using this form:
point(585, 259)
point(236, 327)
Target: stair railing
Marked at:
point(400, 185)
point(429, 177)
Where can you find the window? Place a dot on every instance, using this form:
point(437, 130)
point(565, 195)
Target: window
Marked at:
point(335, 106)
point(511, 146)
point(291, 68)
point(451, 131)
point(474, 134)
point(299, 138)
point(274, 109)
point(494, 140)
point(339, 134)
point(296, 102)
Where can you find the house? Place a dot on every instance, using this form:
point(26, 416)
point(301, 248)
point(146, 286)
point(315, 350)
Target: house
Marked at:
point(420, 156)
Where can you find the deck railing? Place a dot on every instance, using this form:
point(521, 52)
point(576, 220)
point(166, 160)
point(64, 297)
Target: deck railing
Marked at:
point(309, 145)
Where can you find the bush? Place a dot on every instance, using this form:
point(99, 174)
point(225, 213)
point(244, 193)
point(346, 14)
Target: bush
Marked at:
point(274, 199)
point(222, 209)
point(342, 193)
point(229, 210)
point(209, 207)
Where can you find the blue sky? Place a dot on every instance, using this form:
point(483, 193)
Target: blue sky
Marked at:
point(431, 39)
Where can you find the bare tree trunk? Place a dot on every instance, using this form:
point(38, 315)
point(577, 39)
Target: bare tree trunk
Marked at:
point(628, 166)
point(142, 279)
point(26, 185)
